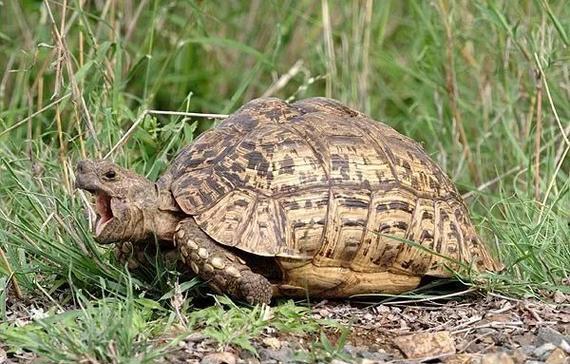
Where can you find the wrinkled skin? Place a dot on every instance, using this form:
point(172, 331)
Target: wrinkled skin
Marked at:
point(129, 206)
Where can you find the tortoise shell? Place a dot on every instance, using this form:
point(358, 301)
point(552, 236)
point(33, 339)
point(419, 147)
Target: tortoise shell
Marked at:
point(315, 181)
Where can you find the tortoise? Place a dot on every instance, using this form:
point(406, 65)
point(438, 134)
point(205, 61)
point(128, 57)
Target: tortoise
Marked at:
point(310, 198)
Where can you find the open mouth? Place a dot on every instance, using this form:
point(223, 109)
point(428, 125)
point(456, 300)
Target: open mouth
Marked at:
point(103, 211)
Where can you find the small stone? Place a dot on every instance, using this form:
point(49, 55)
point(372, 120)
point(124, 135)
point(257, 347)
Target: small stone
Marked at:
point(3, 356)
point(426, 344)
point(353, 350)
point(195, 337)
point(543, 351)
point(272, 342)
point(459, 359)
point(557, 356)
point(559, 297)
point(497, 358)
point(219, 358)
point(323, 312)
point(283, 355)
point(519, 356)
point(549, 335)
point(376, 356)
point(565, 346)
point(382, 309)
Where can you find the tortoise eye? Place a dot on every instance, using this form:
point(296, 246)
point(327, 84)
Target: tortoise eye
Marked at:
point(110, 175)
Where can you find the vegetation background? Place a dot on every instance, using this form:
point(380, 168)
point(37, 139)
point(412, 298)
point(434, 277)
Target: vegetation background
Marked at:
point(483, 85)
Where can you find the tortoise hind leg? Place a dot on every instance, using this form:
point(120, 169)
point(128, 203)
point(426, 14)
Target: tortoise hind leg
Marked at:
point(224, 271)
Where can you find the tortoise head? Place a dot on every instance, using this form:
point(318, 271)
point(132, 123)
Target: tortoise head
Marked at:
point(127, 205)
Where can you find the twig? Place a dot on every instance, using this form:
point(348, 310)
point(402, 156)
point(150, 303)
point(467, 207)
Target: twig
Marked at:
point(127, 134)
point(284, 79)
point(477, 338)
point(426, 299)
point(516, 325)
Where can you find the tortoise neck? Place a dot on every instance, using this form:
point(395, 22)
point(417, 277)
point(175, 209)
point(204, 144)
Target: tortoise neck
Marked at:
point(162, 219)
point(162, 224)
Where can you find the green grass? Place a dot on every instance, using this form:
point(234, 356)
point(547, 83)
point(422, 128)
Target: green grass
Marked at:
point(483, 85)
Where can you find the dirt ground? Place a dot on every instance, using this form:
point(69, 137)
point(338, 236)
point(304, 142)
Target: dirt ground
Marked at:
point(491, 329)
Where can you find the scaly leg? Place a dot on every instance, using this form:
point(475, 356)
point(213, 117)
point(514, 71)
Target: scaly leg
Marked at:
point(142, 254)
point(224, 271)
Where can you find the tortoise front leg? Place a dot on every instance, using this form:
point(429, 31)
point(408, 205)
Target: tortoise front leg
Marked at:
point(131, 255)
point(224, 271)
point(139, 255)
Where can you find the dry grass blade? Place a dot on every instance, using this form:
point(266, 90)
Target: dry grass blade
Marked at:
point(284, 79)
point(329, 48)
point(552, 107)
point(537, 136)
point(66, 58)
point(11, 276)
point(141, 117)
point(452, 92)
point(492, 182)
